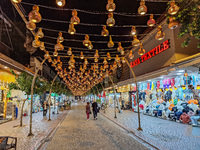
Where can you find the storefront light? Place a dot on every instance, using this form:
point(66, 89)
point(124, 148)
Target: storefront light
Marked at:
point(198, 87)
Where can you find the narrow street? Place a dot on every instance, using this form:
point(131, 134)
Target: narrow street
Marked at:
point(75, 133)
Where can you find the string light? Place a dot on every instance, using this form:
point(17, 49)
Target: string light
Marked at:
point(143, 8)
point(42, 47)
point(135, 42)
point(141, 51)
point(160, 35)
point(40, 34)
point(16, 1)
point(75, 19)
point(110, 43)
point(36, 43)
point(133, 31)
point(69, 52)
point(86, 42)
point(173, 23)
point(131, 56)
point(110, 6)
point(60, 3)
point(31, 25)
point(151, 22)
point(110, 21)
point(71, 29)
point(92, 12)
point(81, 56)
point(104, 32)
point(173, 10)
point(34, 15)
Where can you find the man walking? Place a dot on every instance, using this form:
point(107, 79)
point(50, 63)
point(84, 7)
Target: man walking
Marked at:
point(94, 109)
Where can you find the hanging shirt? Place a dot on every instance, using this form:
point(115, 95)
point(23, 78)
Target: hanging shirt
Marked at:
point(180, 93)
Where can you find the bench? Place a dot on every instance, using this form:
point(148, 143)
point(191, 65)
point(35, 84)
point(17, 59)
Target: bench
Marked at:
point(7, 142)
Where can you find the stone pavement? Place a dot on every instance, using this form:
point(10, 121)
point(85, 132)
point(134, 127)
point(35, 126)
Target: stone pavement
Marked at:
point(40, 128)
point(164, 134)
point(75, 133)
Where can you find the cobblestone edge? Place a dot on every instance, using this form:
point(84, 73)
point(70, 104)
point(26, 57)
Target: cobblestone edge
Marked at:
point(136, 134)
point(42, 144)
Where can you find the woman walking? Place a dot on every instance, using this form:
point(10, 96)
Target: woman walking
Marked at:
point(88, 110)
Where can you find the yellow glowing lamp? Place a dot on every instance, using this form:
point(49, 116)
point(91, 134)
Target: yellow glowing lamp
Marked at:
point(110, 21)
point(60, 3)
point(160, 35)
point(86, 41)
point(143, 8)
point(110, 6)
point(135, 41)
point(34, 15)
point(31, 25)
point(16, 1)
point(141, 51)
point(104, 32)
point(110, 43)
point(173, 10)
point(40, 34)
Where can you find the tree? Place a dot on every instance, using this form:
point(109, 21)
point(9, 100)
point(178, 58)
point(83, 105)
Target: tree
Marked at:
point(189, 18)
point(23, 82)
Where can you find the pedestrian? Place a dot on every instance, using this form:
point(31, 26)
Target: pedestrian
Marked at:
point(95, 109)
point(88, 112)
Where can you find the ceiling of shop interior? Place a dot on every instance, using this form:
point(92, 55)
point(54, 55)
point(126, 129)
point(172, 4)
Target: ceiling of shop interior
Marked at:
point(126, 6)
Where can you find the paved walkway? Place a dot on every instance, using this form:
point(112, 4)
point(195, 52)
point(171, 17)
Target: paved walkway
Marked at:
point(162, 133)
point(41, 128)
point(75, 133)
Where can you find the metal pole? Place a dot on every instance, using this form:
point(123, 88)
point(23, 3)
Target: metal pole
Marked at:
point(50, 98)
point(139, 128)
point(114, 97)
point(32, 88)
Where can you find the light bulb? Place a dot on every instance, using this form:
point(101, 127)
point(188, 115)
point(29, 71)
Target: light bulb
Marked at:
point(110, 43)
point(86, 62)
point(60, 38)
point(110, 21)
point(75, 19)
point(104, 32)
point(122, 52)
point(40, 34)
point(46, 55)
point(131, 56)
point(123, 60)
point(141, 51)
point(110, 6)
point(86, 42)
point(55, 53)
point(173, 10)
point(120, 48)
point(133, 31)
point(151, 22)
point(34, 15)
point(96, 55)
point(173, 23)
point(59, 47)
point(60, 3)
point(90, 46)
point(117, 59)
point(42, 47)
point(143, 8)
point(31, 25)
point(160, 35)
point(105, 61)
point(69, 52)
point(81, 56)
point(108, 56)
point(135, 41)
point(49, 60)
point(71, 29)
point(16, 1)
point(36, 43)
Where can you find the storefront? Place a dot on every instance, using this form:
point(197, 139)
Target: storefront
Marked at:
point(167, 75)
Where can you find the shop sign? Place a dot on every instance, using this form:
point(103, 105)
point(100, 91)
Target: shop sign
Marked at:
point(155, 51)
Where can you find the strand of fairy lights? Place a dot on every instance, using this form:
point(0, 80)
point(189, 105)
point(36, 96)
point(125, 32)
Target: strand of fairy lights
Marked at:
point(89, 11)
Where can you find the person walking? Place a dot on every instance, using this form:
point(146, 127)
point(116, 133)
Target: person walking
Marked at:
point(88, 111)
point(44, 108)
point(95, 109)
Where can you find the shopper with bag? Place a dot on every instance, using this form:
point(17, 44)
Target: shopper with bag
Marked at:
point(95, 109)
point(88, 112)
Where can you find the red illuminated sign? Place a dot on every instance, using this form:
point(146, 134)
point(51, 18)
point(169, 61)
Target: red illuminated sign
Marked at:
point(155, 51)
